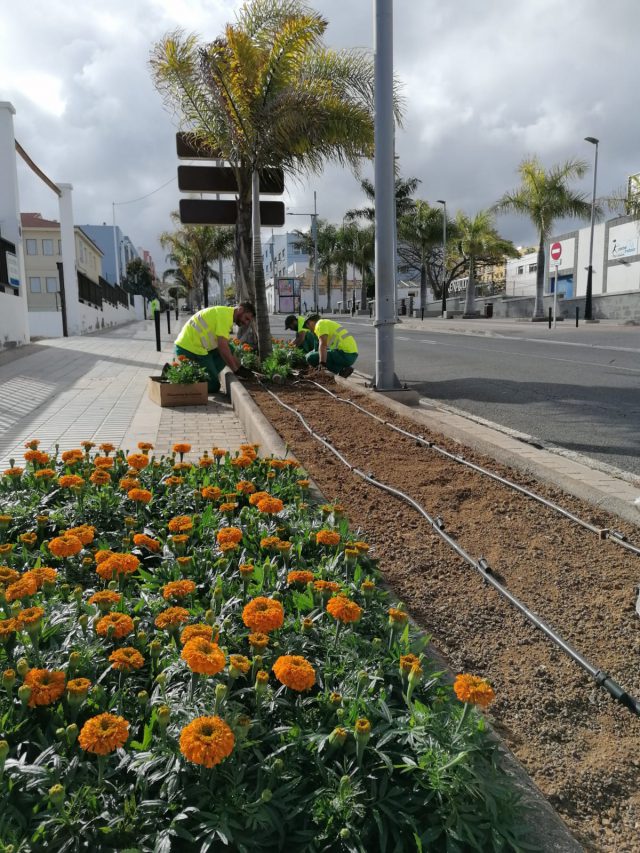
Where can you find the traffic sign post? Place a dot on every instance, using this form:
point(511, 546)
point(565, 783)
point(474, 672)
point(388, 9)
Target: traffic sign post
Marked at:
point(222, 179)
point(198, 212)
point(556, 251)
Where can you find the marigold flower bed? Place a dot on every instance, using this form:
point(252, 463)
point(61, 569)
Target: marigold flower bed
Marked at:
point(205, 661)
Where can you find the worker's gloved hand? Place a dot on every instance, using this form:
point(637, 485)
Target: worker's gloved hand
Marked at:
point(321, 367)
point(244, 373)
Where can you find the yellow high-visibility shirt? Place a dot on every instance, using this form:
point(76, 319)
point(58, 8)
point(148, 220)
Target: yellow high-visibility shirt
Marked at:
point(337, 336)
point(301, 327)
point(200, 334)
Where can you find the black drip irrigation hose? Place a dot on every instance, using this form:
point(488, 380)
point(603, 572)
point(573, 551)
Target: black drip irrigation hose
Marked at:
point(601, 678)
point(616, 537)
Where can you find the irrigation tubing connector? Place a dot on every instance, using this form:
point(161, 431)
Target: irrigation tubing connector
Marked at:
point(601, 678)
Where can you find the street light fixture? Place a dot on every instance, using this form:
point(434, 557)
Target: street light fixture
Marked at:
point(314, 235)
point(444, 257)
point(588, 308)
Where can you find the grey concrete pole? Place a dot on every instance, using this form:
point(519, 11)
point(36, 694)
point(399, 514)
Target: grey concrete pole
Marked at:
point(385, 378)
point(444, 257)
point(14, 313)
point(69, 264)
point(588, 308)
point(314, 222)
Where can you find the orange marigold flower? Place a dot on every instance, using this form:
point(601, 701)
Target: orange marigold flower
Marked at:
point(6, 548)
point(7, 628)
point(171, 482)
point(270, 543)
point(105, 599)
point(33, 443)
point(142, 496)
point(128, 483)
point(326, 587)
point(104, 734)
point(16, 471)
point(211, 493)
point(179, 539)
point(229, 534)
point(227, 507)
point(397, 617)
point(245, 487)
point(65, 546)
point(263, 614)
point(107, 448)
point(181, 524)
point(86, 533)
point(45, 474)
point(219, 452)
point(47, 686)
point(299, 577)
point(78, 687)
point(361, 546)
point(327, 537)
point(171, 617)
point(122, 625)
point(249, 450)
point(243, 461)
point(304, 484)
point(126, 659)
point(206, 461)
point(472, 688)
point(407, 662)
point(43, 574)
point(277, 464)
point(100, 478)
point(199, 630)
point(181, 447)
point(117, 564)
point(258, 641)
point(256, 497)
point(206, 741)
point(22, 588)
point(295, 672)
point(343, 609)
point(72, 455)
point(35, 456)
point(70, 481)
point(182, 466)
point(137, 461)
point(246, 570)
point(148, 542)
point(240, 663)
point(178, 589)
point(362, 727)
point(103, 461)
point(102, 555)
point(8, 575)
point(228, 547)
point(203, 656)
point(28, 539)
point(270, 506)
point(145, 446)
point(30, 616)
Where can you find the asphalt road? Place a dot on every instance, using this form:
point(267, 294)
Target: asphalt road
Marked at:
point(576, 389)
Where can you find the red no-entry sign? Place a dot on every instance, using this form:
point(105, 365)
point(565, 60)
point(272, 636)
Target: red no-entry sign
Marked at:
point(556, 251)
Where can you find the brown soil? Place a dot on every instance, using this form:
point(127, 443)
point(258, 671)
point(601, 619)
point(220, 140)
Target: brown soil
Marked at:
point(581, 747)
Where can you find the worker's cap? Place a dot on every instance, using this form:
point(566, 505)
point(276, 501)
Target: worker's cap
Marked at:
point(311, 317)
point(291, 322)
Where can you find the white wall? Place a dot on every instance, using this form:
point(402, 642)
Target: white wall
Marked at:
point(45, 324)
point(580, 286)
point(13, 329)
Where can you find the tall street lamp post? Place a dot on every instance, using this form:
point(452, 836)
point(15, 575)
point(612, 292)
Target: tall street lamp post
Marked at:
point(314, 237)
point(588, 308)
point(444, 257)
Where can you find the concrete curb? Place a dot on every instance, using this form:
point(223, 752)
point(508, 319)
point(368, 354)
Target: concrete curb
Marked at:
point(546, 828)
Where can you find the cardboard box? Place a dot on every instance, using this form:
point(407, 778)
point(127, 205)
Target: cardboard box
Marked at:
point(170, 394)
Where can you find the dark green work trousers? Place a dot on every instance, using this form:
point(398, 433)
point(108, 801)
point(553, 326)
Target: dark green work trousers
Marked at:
point(212, 362)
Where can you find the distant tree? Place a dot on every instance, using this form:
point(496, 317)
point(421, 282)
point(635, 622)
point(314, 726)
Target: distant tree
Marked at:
point(193, 251)
point(545, 196)
point(404, 190)
point(139, 279)
point(327, 251)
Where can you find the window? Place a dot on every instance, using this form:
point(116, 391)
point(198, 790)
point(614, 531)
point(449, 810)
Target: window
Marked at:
point(520, 270)
point(32, 247)
point(297, 250)
point(47, 247)
point(52, 284)
point(533, 267)
point(59, 247)
point(35, 285)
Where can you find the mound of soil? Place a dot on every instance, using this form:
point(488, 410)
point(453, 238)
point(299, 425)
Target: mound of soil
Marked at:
point(580, 746)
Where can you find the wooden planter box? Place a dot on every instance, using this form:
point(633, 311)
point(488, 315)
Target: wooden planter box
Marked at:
point(170, 394)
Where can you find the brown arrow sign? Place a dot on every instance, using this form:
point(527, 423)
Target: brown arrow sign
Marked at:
point(188, 149)
point(221, 179)
point(194, 212)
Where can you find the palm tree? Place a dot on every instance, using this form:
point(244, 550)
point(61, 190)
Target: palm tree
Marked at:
point(545, 196)
point(404, 190)
point(194, 248)
point(327, 250)
point(268, 93)
point(478, 241)
point(419, 237)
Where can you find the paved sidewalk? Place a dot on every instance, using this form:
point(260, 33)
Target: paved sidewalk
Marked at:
point(94, 387)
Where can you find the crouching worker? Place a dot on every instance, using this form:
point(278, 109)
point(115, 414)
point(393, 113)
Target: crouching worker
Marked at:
point(304, 339)
point(337, 349)
point(205, 339)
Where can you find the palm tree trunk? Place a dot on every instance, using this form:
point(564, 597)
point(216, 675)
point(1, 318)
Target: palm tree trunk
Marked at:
point(344, 288)
point(363, 288)
point(423, 286)
point(538, 307)
point(262, 319)
point(470, 301)
point(329, 280)
point(243, 241)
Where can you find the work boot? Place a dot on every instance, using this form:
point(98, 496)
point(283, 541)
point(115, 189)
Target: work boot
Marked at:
point(345, 372)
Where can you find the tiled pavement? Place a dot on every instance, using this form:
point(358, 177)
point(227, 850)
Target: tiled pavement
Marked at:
point(94, 387)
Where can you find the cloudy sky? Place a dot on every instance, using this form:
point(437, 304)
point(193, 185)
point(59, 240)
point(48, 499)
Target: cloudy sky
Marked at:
point(485, 84)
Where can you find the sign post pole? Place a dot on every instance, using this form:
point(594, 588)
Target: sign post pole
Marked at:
point(555, 298)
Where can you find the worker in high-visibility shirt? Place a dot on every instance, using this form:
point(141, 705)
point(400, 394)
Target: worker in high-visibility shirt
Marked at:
point(304, 339)
point(205, 339)
point(154, 306)
point(337, 349)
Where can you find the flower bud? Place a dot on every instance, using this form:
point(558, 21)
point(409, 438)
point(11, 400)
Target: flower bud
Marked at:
point(266, 795)
point(338, 737)
point(278, 767)
point(221, 692)
point(335, 699)
point(83, 621)
point(4, 752)
point(141, 638)
point(75, 659)
point(340, 713)
point(345, 832)
point(306, 625)
point(16, 607)
point(262, 680)
point(155, 648)
point(61, 734)
point(72, 734)
point(56, 795)
point(210, 617)
point(143, 698)
point(163, 715)
point(161, 680)
point(77, 594)
point(8, 679)
point(23, 667)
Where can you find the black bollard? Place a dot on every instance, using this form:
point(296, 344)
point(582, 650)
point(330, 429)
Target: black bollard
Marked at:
point(422, 313)
point(168, 322)
point(550, 316)
point(156, 320)
point(577, 315)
